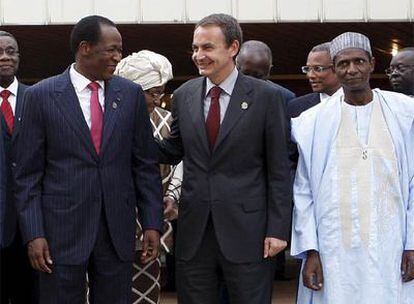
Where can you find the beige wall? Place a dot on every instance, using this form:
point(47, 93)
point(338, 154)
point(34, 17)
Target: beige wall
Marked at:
point(20, 12)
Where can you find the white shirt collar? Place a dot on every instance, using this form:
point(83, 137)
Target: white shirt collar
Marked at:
point(227, 85)
point(12, 88)
point(79, 81)
point(324, 97)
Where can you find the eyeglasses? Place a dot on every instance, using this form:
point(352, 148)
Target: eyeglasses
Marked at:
point(155, 95)
point(400, 68)
point(316, 68)
point(9, 52)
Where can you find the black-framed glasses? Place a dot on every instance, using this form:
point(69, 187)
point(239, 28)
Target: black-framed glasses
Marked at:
point(400, 68)
point(9, 52)
point(316, 68)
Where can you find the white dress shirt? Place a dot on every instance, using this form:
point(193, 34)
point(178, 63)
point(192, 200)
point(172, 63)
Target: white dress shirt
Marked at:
point(80, 83)
point(324, 97)
point(227, 87)
point(13, 90)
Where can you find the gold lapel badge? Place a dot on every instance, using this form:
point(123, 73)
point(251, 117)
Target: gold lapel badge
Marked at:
point(244, 105)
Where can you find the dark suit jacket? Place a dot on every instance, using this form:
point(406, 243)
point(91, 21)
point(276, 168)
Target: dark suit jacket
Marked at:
point(3, 181)
point(300, 104)
point(62, 184)
point(243, 184)
point(10, 214)
point(287, 95)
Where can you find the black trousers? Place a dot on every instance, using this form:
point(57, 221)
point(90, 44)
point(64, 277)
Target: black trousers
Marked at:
point(110, 279)
point(200, 279)
point(18, 280)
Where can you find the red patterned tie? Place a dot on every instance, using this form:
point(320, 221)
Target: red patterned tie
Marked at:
point(7, 111)
point(96, 117)
point(213, 117)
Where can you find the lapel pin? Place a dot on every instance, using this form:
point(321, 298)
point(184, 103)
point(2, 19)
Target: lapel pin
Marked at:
point(244, 105)
point(116, 103)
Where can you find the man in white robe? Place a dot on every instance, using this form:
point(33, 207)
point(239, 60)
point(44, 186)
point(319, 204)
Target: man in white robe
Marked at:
point(353, 220)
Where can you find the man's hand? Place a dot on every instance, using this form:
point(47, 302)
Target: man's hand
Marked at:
point(407, 266)
point(150, 246)
point(39, 255)
point(273, 246)
point(170, 210)
point(312, 271)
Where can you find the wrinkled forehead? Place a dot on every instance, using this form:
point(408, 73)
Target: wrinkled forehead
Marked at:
point(351, 54)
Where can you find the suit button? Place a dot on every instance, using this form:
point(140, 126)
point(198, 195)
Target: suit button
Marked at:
point(14, 165)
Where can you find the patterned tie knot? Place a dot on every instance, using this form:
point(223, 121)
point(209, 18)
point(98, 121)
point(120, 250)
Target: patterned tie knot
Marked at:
point(5, 94)
point(215, 92)
point(94, 86)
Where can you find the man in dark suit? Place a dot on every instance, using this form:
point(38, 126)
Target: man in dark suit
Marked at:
point(81, 173)
point(17, 277)
point(234, 213)
point(318, 70)
point(324, 84)
point(255, 59)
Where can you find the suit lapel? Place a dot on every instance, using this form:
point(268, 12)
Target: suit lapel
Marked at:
point(239, 104)
point(315, 100)
point(68, 102)
point(195, 104)
point(19, 109)
point(113, 102)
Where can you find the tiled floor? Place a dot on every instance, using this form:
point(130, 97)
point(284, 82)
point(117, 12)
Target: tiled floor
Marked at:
point(284, 292)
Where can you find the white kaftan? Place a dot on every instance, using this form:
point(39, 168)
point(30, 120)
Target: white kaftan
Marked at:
point(353, 200)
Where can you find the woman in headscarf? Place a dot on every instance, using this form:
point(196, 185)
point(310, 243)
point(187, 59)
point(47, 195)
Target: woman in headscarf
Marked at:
point(152, 71)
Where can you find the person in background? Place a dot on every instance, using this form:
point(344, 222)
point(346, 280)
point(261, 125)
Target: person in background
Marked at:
point(322, 79)
point(324, 83)
point(255, 59)
point(18, 279)
point(401, 72)
point(152, 71)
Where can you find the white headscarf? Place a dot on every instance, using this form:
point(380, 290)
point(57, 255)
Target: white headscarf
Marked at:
point(146, 68)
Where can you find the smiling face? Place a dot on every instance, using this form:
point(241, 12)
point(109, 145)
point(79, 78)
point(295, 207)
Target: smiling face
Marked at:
point(9, 60)
point(98, 61)
point(324, 81)
point(353, 68)
point(211, 55)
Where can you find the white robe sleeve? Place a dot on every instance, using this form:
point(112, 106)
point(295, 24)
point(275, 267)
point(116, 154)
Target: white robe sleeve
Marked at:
point(409, 242)
point(304, 235)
